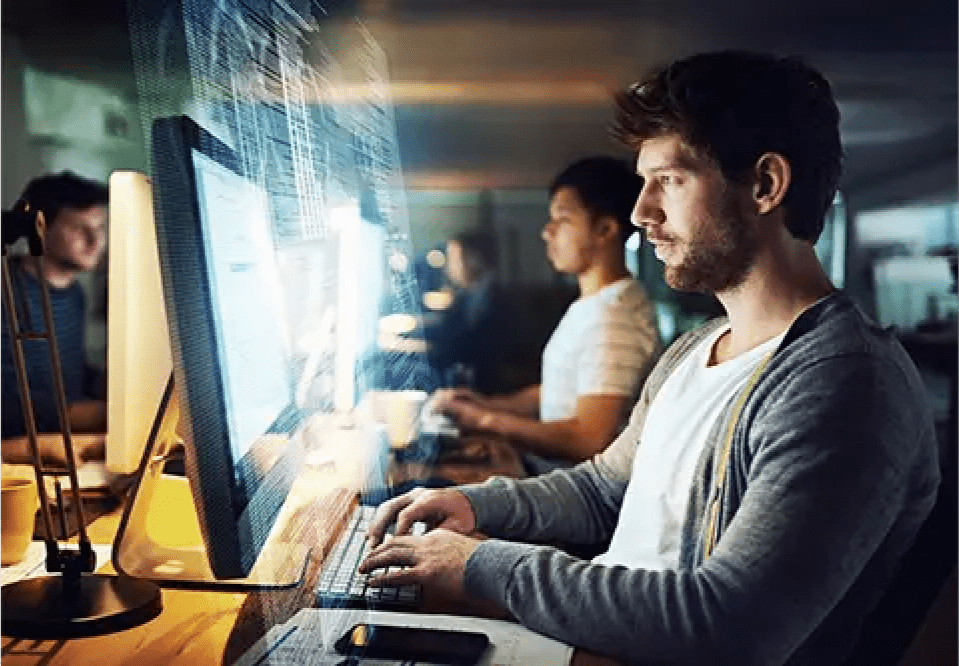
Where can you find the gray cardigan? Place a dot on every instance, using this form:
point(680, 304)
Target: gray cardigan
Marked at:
point(833, 467)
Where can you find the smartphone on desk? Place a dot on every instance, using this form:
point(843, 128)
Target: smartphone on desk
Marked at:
point(436, 646)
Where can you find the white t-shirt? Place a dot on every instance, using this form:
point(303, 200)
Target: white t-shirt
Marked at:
point(603, 346)
point(677, 426)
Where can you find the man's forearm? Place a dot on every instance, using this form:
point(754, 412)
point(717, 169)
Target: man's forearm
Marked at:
point(561, 439)
point(524, 402)
point(573, 505)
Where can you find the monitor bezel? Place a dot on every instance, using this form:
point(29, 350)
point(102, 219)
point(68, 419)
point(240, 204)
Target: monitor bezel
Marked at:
point(235, 515)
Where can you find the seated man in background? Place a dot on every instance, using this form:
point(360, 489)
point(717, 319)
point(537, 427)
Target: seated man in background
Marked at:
point(75, 210)
point(780, 461)
point(600, 353)
point(471, 344)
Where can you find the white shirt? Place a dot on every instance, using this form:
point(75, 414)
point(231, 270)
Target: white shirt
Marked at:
point(677, 426)
point(604, 345)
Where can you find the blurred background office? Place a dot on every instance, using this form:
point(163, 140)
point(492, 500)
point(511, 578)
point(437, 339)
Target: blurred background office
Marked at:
point(474, 331)
point(492, 98)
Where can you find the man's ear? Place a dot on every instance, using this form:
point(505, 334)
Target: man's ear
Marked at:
point(606, 228)
point(772, 178)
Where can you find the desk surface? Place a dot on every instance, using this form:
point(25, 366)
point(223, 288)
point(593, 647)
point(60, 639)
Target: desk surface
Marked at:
point(202, 627)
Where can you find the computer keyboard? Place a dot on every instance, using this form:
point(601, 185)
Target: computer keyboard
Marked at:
point(342, 586)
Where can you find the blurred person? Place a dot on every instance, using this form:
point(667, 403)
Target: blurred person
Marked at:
point(75, 210)
point(600, 353)
point(781, 459)
point(472, 342)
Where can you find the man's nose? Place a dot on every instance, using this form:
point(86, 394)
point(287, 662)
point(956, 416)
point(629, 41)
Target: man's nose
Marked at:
point(644, 211)
point(635, 216)
point(94, 237)
point(548, 230)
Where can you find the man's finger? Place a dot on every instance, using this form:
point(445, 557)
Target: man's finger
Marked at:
point(387, 555)
point(394, 542)
point(408, 576)
point(404, 519)
point(384, 517)
point(463, 395)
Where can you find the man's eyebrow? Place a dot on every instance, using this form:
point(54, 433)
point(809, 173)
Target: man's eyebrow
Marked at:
point(680, 162)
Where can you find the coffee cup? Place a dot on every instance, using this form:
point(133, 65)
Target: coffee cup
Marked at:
point(403, 416)
point(18, 507)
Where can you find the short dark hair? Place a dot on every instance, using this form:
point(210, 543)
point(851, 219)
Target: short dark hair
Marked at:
point(606, 186)
point(54, 192)
point(733, 106)
point(480, 253)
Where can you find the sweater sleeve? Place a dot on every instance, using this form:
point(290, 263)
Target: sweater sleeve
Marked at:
point(578, 505)
point(832, 501)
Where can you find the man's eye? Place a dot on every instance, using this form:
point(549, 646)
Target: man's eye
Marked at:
point(667, 179)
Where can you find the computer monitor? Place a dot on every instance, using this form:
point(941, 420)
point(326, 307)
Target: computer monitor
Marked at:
point(138, 343)
point(360, 290)
point(232, 364)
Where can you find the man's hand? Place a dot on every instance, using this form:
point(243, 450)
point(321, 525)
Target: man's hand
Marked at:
point(437, 560)
point(439, 508)
point(16, 450)
point(471, 416)
point(443, 398)
point(88, 416)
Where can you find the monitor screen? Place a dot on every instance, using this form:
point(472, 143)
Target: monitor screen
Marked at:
point(247, 315)
point(232, 364)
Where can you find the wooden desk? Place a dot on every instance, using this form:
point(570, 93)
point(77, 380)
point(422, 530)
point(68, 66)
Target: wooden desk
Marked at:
point(201, 627)
point(471, 459)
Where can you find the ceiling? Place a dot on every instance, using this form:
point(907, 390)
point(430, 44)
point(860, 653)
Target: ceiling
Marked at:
point(505, 93)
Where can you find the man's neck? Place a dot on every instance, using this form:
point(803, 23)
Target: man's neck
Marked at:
point(778, 288)
point(599, 275)
point(55, 274)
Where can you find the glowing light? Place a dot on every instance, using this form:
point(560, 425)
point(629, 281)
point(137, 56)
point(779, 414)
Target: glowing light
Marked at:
point(399, 262)
point(343, 216)
point(398, 323)
point(436, 258)
point(437, 300)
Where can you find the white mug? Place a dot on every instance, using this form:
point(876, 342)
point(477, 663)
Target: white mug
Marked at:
point(402, 416)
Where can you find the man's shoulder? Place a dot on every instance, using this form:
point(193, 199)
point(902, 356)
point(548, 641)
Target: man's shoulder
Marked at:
point(626, 307)
point(836, 350)
point(836, 327)
point(68, 298)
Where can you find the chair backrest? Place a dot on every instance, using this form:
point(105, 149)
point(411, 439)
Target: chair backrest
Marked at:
point(891, 627)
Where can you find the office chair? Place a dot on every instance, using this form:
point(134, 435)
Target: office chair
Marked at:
point(891, 627)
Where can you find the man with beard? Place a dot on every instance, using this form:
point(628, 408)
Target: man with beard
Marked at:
point(75, 211)
point(780, 460)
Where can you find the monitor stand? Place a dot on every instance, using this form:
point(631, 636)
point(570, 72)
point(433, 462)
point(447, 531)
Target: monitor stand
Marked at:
point(157, 499)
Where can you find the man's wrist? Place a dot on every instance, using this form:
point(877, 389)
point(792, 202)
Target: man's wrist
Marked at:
point(491, 421)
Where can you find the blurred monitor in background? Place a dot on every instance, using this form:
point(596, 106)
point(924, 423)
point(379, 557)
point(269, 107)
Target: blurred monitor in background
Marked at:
point(139, 360)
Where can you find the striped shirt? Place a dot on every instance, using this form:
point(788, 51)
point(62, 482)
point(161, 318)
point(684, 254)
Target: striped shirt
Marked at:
point(605, 344)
